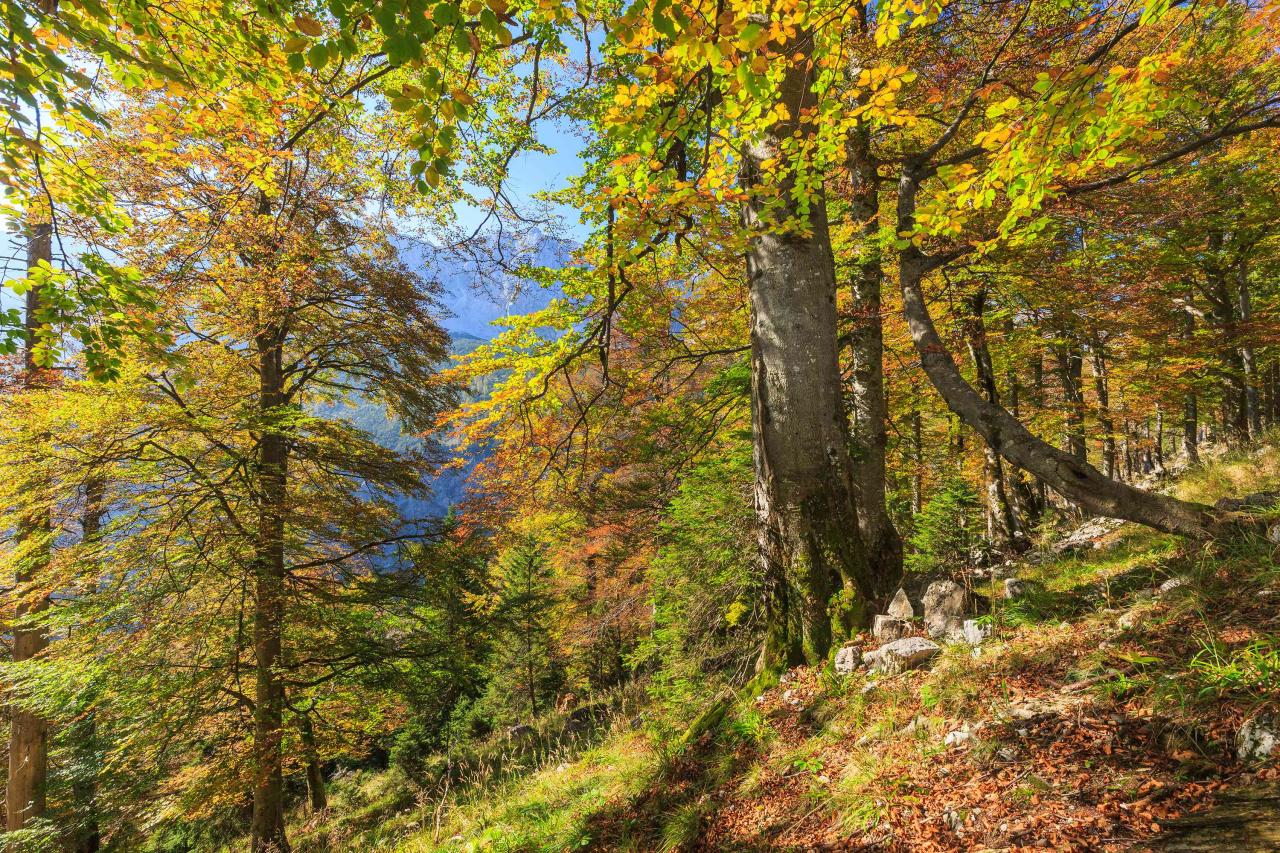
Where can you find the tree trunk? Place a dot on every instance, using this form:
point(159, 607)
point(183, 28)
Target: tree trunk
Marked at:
point(807, 513)
point(1073, 479)
point(316, 794)
point(1070, 370)
point(917, 458)
point(268, 621)
point(1223, 307)
point(1252, 414)
point(1098, 363)
point(870, 408)
point(1003, 529)
point(1160, 437)
point(1028, 505)
point(28, 732)
point(86, 836)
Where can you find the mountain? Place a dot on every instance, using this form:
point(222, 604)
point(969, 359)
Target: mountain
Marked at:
point(473, 300)
point(480, 291)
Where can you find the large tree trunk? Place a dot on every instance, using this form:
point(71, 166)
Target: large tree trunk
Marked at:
point(870, 408)
point(807, 513)
point(268, 621)
point(1073, 479)
point(28, 732)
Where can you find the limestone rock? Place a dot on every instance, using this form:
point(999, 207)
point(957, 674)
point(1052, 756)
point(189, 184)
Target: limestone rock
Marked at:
point(945, 605)
point(1087, 536)
point(900, 607)
point(889, 628)
point(1273, 533)
point(1258, 739)
point(1014, 588)
point(848, 659)
point(901, 655)
point(975, 632)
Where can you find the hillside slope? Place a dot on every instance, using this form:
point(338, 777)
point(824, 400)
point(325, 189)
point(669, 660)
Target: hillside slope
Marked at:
point(1104, 709)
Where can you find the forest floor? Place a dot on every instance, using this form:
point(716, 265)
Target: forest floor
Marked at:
point(1101, 713)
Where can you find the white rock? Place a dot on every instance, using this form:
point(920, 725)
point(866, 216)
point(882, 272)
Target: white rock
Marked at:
point(945, 604)
point(1258, 739)
point(889, 628)
point(975, 632)
point(902, 655)
point(848, 659)
point(868, 687)
point(900, 607)
point(1013, 588)
point(1173, 583)
point(957, 737)
point(1129, 619)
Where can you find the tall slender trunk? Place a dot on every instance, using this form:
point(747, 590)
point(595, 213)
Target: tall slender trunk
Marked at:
point(917, 456)
point(316, 794)
point(1075, 480)
point(87, 836)
point(1190, 405)
point(807, 512)
point(1252, 413)
point(1028, 504)
point(1160, 436)
point(1101, 389)
point(870, 407)
point(1070, 371)
point(1271, 399)
point(1003, 529)
point(1223, 307)
point(29, 732)
point(268, 621)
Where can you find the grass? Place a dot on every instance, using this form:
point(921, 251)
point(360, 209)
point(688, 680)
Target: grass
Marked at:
point(1185, 665)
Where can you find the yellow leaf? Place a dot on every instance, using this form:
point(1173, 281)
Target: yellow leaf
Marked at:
point(308, 25)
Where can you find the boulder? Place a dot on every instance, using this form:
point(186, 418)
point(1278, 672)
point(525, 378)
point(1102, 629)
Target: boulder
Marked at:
point(975, 632)
point(848, 659)
point(900, 607)
point(901, 655)
point(1087, 536)
point(889, 628)
point(945, 604)
point(1258, 739)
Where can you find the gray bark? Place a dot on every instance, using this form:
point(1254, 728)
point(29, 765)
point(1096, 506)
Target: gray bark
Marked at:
point(870, 407)
point(807, 512)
